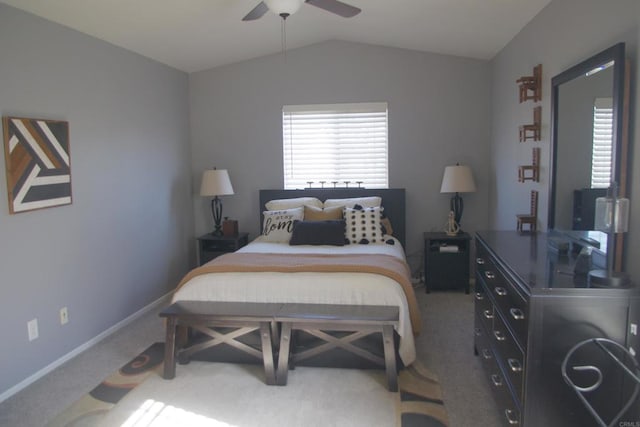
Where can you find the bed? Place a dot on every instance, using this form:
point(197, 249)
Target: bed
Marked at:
point(283, 279)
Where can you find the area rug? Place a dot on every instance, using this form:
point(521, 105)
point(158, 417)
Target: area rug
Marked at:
point(235, 395)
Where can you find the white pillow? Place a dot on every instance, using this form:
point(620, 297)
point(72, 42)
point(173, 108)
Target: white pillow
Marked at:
point(363, 225)
point(278, 225)
point(365, 202)
point(280, 204)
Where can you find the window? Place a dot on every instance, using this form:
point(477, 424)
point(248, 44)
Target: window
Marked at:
point(602, 156)
point(335, 143)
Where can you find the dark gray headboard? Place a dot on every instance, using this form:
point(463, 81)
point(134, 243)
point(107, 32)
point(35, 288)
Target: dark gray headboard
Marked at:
point(393, 200)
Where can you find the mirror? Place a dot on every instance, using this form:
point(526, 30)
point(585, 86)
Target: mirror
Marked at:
point(588, 146)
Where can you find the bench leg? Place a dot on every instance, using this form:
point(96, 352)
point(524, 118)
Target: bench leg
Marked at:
point(275, 333)
point(283, 355)
point(183, 335)
point(170, 349)
point(390, 357)
point(267, 353)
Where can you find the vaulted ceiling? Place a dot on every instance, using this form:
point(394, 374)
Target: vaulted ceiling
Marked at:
point(193, 35)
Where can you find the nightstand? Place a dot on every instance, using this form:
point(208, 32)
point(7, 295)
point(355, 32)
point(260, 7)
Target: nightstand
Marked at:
point(210, 246)
point(446, 261)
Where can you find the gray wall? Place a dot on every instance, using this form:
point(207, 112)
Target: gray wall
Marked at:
point(563, 34)
point(127, 237)
point(438, 115)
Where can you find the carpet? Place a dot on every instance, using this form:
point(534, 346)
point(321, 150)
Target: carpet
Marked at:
point(235, 395)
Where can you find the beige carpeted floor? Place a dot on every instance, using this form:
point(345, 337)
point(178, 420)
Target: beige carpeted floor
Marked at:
point(220, 394)
point(445, 346)
point(236, 395)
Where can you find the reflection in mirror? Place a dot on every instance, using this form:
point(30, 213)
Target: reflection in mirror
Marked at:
point(585, 150)
point(587, 102)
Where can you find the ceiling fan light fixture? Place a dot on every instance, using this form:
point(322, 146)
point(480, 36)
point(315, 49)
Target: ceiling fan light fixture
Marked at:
point(284, 7)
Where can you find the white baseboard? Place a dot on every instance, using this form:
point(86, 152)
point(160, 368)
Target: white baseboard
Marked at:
point(93, 341)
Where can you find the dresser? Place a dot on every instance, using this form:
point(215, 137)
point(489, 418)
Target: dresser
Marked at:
point(530, 311)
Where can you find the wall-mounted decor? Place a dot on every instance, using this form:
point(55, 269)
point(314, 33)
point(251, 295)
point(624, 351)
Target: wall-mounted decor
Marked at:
point(530, 219)
point(531, 172)
point(532, 131)
point(38, 167)
point(530, 87)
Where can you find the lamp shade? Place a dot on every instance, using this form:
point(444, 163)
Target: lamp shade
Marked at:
point(458, 179)
point(216, 182)
point(288, 7)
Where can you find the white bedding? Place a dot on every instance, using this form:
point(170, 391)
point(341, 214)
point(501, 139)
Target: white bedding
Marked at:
point(328, 288)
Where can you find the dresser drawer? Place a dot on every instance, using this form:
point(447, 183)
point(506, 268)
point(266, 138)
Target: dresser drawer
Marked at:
point(484, 261)
point(483, 307)
point(482, 340)
point(509, 356)
point(509, 409)
point(509, 302)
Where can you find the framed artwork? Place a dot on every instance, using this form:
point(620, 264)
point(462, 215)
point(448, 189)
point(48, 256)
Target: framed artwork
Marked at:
point(37, 161)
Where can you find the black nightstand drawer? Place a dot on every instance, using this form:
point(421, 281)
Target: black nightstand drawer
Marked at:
point(210, 246)
point(219, 246)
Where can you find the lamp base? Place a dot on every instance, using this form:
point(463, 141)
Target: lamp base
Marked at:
point(216, 210)
point(456, 206)
point(605, 279)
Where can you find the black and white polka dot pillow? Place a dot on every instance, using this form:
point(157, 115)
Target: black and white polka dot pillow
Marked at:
point(363, 225)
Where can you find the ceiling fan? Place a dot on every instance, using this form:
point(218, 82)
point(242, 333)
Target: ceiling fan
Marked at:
point(284, 8)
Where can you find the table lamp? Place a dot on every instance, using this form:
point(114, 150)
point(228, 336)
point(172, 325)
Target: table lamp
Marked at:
point(216, 183)
point(457, 179)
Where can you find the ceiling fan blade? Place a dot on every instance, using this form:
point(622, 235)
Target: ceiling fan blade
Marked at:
point(335, 6)
point(257, 12)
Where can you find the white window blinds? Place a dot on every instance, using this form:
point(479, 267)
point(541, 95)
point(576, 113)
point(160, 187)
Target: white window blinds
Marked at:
point(335, 143)
point(602, 155)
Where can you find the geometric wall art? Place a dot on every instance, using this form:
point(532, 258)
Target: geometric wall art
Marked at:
point(37, 161)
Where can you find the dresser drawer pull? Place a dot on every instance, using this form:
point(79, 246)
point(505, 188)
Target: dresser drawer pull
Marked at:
point(486, 353)
point(479, 296)
point(496, 380)
point(499, 335)
point(515, 365)
point(501, 291)
point(516, 313)
point(479, 261)
point(511, 417)
point(489, 275)
point(488, 314)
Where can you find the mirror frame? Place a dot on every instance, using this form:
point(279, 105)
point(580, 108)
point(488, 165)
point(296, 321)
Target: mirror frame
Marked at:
point(615, 53)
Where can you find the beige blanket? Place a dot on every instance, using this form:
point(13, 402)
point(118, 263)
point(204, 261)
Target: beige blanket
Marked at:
point(386, 265)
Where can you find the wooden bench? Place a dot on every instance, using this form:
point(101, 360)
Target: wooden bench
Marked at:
point(203, 316)
point(273, 319)
point(315, 319)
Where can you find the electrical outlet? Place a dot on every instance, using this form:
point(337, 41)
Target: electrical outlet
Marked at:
point(32, 329)
point(64, 316)
point(634, 329)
